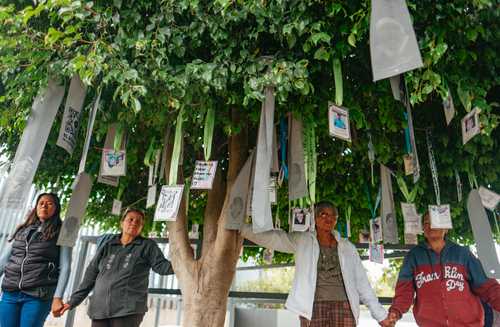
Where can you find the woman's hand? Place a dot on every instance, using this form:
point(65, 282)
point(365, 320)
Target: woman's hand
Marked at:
point(57, 306)
point(65, 308)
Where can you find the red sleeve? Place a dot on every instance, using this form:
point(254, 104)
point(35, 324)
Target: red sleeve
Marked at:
point(489, 292)
point(405, 288)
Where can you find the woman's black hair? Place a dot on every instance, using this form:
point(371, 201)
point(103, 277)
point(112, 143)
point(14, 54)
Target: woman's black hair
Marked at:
point(53, 224)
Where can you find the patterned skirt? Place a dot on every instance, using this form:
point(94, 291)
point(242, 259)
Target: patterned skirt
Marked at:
point(330, 314)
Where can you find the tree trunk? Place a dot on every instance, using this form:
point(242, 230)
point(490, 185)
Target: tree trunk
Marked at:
point(205, 282)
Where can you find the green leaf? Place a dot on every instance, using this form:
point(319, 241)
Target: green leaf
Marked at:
point(352, 40)
point(322, 54)
point(136, 105)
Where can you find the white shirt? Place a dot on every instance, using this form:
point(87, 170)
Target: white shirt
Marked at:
point(306, 249)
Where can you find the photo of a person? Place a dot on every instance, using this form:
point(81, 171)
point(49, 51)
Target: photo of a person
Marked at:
point(470, 123)
point(339, 121)
point(299, 217)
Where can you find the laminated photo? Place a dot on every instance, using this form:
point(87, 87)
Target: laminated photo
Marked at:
point(273, 190)
point(301, 218)
point(449, 108)
point(117, 207)
point(376, 253)
point(151, 197)
point(470, 125)
point(338, 122)
point(364, 236)
point(168, 203)
point(194, 234)
point(440, 216)
point(411, 239)
point(408, 163)
point(376, 230)
point(413, 221)
point(204, 174)
point(489, 199)
point(113, 162)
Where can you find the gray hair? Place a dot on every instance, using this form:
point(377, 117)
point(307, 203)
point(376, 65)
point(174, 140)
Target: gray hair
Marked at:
point(320, 206)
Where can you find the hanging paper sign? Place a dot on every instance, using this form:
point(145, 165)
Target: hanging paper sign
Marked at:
point(408, 163)
point(31, 146)
point(364, 236)
point(387, 208)
point(88, 134)
point(393, 44)
point(151, 197)
point(204, 174)
point(376, 230)
point(440, 216)
point(114, 163)
point(376, 253)
point(168, 203)
point(470, 125)
point(72, 113)
point(273, 190)
point(262, 219)
point(297, 184)
point(117, 207)
point(449, 108)
point(76, 210)
point(411, 239)
point(338, 122)
point(413, 221)
point(489, 198)
point(235, 211)
point(301, 219)
point(481, 229)
point(194, 234)
point(108, 180)
point(268, 256)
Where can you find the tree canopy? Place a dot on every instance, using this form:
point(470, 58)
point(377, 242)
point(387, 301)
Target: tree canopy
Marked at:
point(152, 58)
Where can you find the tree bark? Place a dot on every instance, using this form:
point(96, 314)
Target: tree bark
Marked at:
point(205, 283)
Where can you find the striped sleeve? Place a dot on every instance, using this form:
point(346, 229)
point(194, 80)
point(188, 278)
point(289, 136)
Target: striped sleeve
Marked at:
point(405, 287)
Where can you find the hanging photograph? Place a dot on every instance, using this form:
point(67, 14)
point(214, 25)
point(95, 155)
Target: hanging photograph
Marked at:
point(470, 125)
point(113, 162)
point(194, 234)
point(489, 198)
point(204, 174)
point(168, 203)
point(117, 207)
point(376, 253)
point(413, 221)
point(151, 197)
point(268, 255)
point(301, 218)
point(108, 180)
point(338, 122)
point(364, 236)
point(449, 108)
point(408, 163)
point(411, 239)
point(376, 230)
point(273, 190)
point(440, 216)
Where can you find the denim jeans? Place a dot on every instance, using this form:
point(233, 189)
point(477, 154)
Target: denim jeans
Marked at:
point(18, 309)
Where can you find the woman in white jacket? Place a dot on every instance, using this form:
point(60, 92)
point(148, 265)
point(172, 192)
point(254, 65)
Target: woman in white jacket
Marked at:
point(330, 280)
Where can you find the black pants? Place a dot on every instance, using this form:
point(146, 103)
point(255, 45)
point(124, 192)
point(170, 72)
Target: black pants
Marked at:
point(125, 321)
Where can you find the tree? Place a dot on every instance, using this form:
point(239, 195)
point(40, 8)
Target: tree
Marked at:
point(153, 58)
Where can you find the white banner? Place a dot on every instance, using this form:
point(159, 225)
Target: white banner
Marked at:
point(76, 211)
point(297, 184)
point(70, 124)
point(262, 219)
point(169, 202)
point(387, 208)
point(31, 146)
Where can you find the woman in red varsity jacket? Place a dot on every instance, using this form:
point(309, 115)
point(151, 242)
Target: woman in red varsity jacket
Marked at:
point(445, 282)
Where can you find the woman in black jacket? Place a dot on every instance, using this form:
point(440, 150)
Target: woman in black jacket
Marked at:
point(118, 275)
point(36, 269)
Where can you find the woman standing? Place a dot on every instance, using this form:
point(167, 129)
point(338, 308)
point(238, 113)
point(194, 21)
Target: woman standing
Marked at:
point(119, 276)
point(330, 280)
point(36, 269)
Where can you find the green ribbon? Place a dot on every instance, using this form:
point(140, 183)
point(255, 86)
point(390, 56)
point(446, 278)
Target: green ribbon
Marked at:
point(120, 191)
point(373, 209)
point(409, 196)
point(472, 178)
point(339, 88)
point(148, 158)
point(311, 161)
point(176, 152)
point(208, 133)
point(117, 144)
